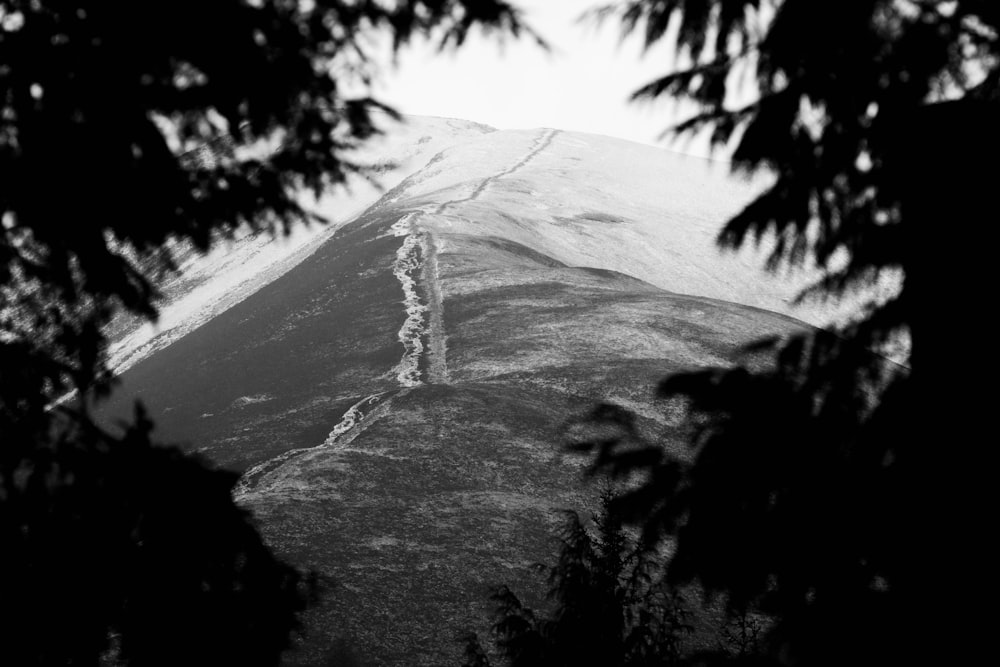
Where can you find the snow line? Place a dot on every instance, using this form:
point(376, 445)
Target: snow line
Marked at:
point(249, 480)
point(542, 142)
point(409, 262)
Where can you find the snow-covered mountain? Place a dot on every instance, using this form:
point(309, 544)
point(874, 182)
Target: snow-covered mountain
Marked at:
point(395, 390)
point(207, 284)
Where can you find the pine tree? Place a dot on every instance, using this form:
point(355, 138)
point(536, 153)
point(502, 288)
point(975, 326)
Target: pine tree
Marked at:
point(839, 491)
point(609, 605)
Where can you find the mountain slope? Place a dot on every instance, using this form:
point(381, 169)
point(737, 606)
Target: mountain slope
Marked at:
point(208, 284)
point(397, 399)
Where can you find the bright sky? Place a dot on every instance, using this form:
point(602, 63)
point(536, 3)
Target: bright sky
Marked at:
point(583, 84)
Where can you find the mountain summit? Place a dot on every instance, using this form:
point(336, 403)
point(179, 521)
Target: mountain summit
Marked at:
point(396, 397)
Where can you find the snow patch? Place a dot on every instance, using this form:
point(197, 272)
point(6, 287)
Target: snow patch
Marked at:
point(244, 401)
point(352, 418)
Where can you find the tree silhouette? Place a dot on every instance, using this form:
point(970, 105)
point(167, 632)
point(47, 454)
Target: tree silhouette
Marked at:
point(837, 491)
point(112, 546)
point(611, 607)
point(120, 541)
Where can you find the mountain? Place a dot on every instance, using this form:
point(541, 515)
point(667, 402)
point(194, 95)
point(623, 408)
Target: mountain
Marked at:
point(207, 284)
point(398, 395)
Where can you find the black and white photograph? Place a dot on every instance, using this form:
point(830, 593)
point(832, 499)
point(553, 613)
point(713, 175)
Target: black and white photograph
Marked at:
point(498, 333)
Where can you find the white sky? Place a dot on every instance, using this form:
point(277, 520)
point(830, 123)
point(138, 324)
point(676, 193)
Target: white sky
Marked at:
point(583, 84)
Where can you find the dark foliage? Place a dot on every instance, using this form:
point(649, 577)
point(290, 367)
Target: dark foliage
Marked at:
point(127, 127)
point(610, 606)
point(742, 634)
point(117, 539)
point(839, 492)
